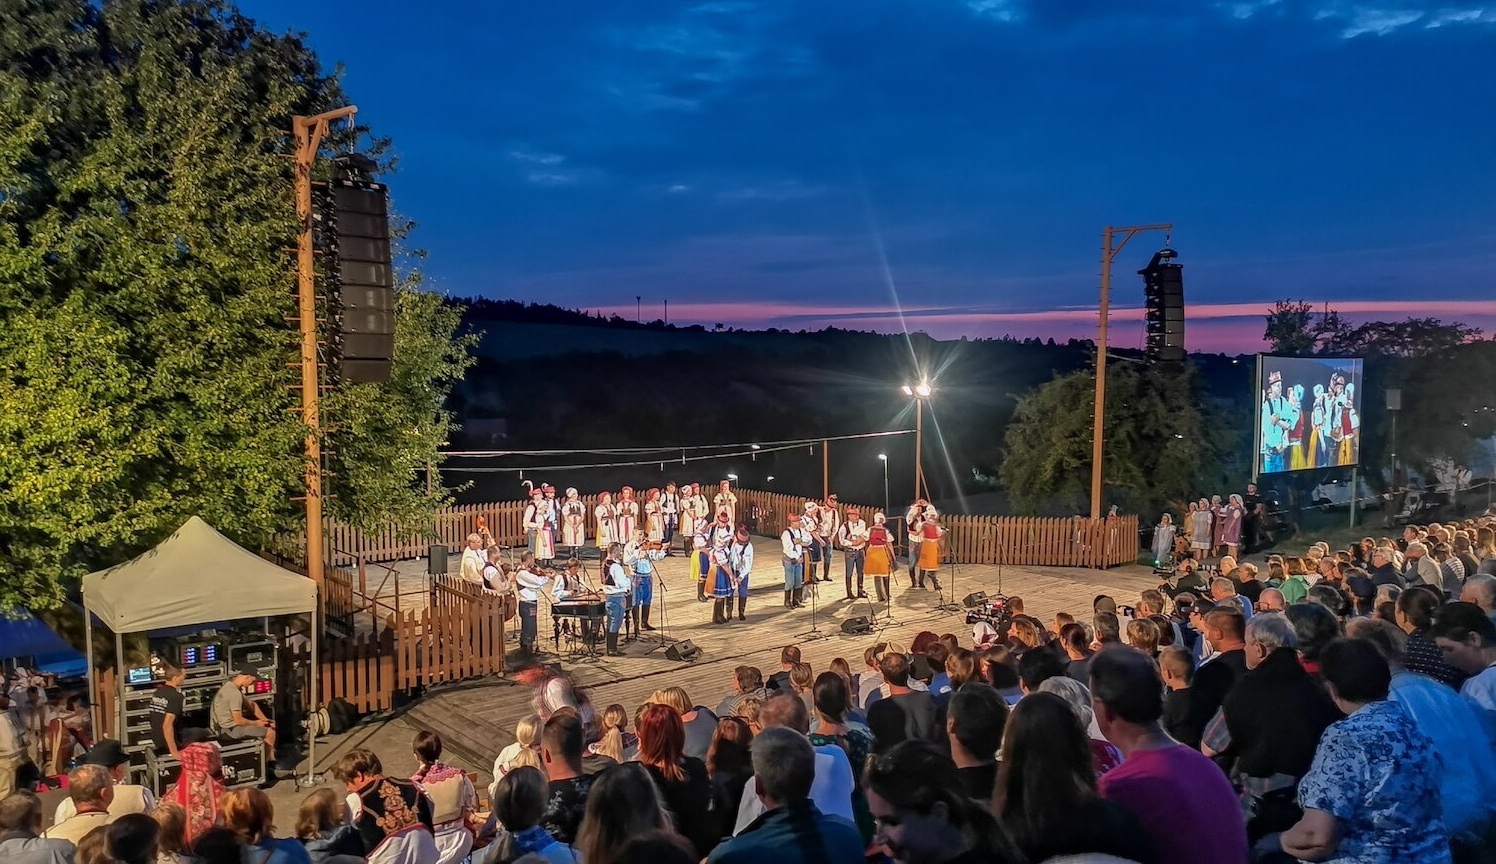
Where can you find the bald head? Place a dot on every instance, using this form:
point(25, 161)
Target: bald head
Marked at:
point(1271, 600)
point(1480, 590)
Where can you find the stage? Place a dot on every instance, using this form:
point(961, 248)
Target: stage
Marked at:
point(477, 718)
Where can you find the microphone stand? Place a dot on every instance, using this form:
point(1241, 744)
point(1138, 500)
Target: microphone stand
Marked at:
point(815, 631)
point(664, 631)
point(948, 605)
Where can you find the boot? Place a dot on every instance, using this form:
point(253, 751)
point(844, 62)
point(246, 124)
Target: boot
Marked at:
point(849, 587)
point(613, 645)
point(646, 624)
point(861, 591)
point(742, 608)
point(799, 598)
point(826, 568)
point(634, 622)
point(787, 599)
point(919, 579)
point(935, 580)
point(701, 590)
point(880, 584)
point(719, 612)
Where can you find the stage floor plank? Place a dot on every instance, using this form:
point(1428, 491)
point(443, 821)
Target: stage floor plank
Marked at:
point(477, 718)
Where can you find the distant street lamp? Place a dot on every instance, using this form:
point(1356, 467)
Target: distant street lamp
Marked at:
point(883, 457)
point(920, 392)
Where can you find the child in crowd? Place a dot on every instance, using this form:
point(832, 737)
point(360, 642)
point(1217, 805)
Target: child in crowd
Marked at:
point(1177, 668)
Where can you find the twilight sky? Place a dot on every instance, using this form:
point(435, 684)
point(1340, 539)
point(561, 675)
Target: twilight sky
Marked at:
point(799, 164)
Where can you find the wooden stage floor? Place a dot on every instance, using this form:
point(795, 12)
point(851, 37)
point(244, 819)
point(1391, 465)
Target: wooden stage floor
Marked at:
point(477, 718)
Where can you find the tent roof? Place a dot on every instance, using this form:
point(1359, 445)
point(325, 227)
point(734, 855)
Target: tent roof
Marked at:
point(195, 576)
point(22, 634)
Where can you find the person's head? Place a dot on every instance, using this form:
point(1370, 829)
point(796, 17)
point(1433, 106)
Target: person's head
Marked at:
point(1415, 607)
point(873, 655)
point(357, 767)
point(624, 802)
point(961, 667)
point(728, 753)
point(134, 839)
point(999, 668)
point(1037, 665)
point(784, 766)
point(615, 720)
point(1314, 627)
point(1143, 635)
point(1355, 673)
point(673, 697)
point(840, 666)
point(975, 718)
point(747, 679)
point(1221, 588)
point(1385, 636)
point(750, 710)
point(320, 811)
point(1176, 667)
point(520, 798)
point(1126, 693)
point(1465, 634)
point(895, 668)
point(21, 811)
point(1416, 550)
point(1224, 628)
point(1480, 589)
point(1332, 597)
point(1075, 694)
point(475, 541)
point(527, 731)
point(91, 787)
point(801, 678)
point(1151, 602)
point(218, 846)
point(94, 847)
point(832, 696)
point(789, 655)
point(1046, 768)
point(1025, 632)
point(921, 810)
point(248, 813)
point(561, 742)
point(1267, 633)
point(1108, 627)
point(172, 675)
point(785, 709)
point(1247, 571)
point(662, 740)
point(1076, 641)
point(427, 747)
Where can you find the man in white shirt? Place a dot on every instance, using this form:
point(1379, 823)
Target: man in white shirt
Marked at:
point(530, 585)
point(852, 537)
point(1418, 567)
point(794, 543)
point(740, 555)
point(473, 560)
point(616, 588)
point(832, 789)
point(828, 519)
point(128, 797)
point(92, 790)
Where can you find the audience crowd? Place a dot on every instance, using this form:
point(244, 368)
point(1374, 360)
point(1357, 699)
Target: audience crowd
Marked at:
point(1340, 706)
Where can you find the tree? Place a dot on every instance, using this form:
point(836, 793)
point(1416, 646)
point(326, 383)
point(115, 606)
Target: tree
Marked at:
point(1294, 328)
point(145, 210)
point(1159, 444)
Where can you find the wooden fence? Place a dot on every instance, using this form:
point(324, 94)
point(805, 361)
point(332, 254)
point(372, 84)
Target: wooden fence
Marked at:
point(1036, 541)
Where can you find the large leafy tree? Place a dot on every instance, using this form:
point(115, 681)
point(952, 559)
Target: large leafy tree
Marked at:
point(145, 351)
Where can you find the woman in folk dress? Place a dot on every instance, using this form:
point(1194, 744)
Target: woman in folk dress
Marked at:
point(725, 500)
point(880, 556)
point(573, 521)
point(1231, 533)
point(929, 551)
point(628, 514)
point(654, 517)
point(1201, 522)
point(1163, 539)
point(607, 521)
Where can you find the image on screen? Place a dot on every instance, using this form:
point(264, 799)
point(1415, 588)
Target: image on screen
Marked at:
point(1309, 413)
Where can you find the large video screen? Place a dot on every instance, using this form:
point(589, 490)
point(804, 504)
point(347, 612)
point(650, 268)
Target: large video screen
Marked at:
point(1309, 413)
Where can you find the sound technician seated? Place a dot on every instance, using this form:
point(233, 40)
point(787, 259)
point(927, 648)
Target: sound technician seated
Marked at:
point(230, 707)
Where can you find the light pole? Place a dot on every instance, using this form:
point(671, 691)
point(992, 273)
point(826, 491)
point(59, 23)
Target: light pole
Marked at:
point(1109, 251)
point(920, 392)
point(883, 457)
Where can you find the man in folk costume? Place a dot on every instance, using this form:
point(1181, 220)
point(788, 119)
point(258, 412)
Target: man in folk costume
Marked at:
point(724, 584)
point(1298, 436)
point(628, 514)
point(726, 501)
point(811, 520)
point(669, 514)
point(914, 523)
point(573, 523)
point(795, 545)
point(1344, 422)
point(828, 520)
point(654, 521)
point(879, 556)
point(1278, 417)
point(929, 550)
point(473, 559)
point(552, 524)
point(641, 561)
point(740, 554)
point(700, 566)
point(853, 537)
point(606, 516)
point(616, 589)
point(530, 583)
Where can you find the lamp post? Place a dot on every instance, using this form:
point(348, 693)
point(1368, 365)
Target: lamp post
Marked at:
point(920, 392)
point(883, 457)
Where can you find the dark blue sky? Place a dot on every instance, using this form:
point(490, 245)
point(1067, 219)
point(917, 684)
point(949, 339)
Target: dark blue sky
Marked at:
point(757, 163)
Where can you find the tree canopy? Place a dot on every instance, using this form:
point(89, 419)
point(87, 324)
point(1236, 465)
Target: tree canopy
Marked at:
point(145, 351)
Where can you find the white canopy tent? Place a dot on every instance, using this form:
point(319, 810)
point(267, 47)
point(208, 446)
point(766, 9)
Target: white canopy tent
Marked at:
point(195, 576)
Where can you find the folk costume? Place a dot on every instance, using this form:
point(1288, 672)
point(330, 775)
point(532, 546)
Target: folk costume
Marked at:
point(606, 516)
point(740, 553)
point(724, 585)
point(393, 818)
point(853, 538)
point(1278, 416)
point(726, 502)
point(573, 522)
point(1163, 539)
point(1298, 436)
point(453, 801)
point(929, 551)
point(795, 545)
point(1344, 422)
point(628, 514)
point(701, 565)
point(540, 530)
point(654, 520)
point(1200, 522)
point(669, 513)
point(880, 556)
point(641, 561)
point(530, 585)
point(828, 520)
point(616, 588)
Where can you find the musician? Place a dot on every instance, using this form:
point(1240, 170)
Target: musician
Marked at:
point(669, 515)
point(726, 501)
point(1278, 416)
point(852, 536)
point(616, 588)
point(540, 529)
point(724, 583)
point(654, 520)
point(795, 544)
point(828, 520)
point(568, 582)
point(740, 554)
point(879, 556)
point(495, 577)
point(628, 514)
point(573, 522)
point(473, 560)
point(531, 581)
point(639, 557)
point(929, 550)
point(607, 521)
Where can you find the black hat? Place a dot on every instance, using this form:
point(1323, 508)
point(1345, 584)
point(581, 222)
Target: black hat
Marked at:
point(107, 753)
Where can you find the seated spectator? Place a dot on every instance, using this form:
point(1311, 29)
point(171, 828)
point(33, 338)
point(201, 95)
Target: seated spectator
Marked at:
point(1046, 791)
point(1038, 665)
point(1142, 635)
point(790, 828)
point(624, 803)
point(249, 814)
point(1224, 630)
point(730, 766)
point(974, 726)
point(321, 828)
point(1108, 628)
point(617, 742)
point(1165, 784)
point(1077, 645)
point(1481, 590)
point(1249, 587)
point(1223, 589)
point(682, 780)
point(1177, 668)
point(1413, 614)
point(1104, 756)
point(1332, 597)
point(561, 757)
point(699, 722)
point(1000, 669)
point(960, 668)
point(923, 813)
point(172, 841)
point(748, 683)
point(1383, 569)
point(125, 797)
point(832, 729)
point(91, 789)
point(526, 737)
point(779, 682)
point(1314, 627)
point(1271, 600)
point(940, 682)
point(134, 839)
point(1467, 785)
point(657, 847)
point(871, 680)
point(833, 788)
point(20, 833)
point(801, 680)
point(519, 804)
point(453, 799)
point(918, 707)
point(1372, 793)
point(1468, 639)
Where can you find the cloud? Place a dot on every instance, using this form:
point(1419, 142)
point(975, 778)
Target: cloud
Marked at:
point(1382, 19)
point(780, 190)
point(544, 168)
point(1006, 11)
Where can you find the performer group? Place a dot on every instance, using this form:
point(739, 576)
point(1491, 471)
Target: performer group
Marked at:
point(633, 531)
point(1324, 436)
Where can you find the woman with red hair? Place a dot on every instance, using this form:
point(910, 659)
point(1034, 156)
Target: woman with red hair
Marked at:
point(683, 781)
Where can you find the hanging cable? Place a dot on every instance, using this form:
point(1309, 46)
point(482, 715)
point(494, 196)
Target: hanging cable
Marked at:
point(619, 451)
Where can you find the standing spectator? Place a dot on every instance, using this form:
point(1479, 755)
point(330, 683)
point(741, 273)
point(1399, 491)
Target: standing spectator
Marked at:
point(518, 805)
point(1046, 791)
point(561, 758)
point(1468, 639)
point(730, 766)
point(923, 813)
point(393, 817)
point(91, 790)
point(20, 833)
point(790, 828)
point(249, 814)
point(832, 790)
point(1165, 784)
point(624, 803)
point(453, 799)
point(1251, 519)
point(1413, 614)
point(1373, 791)
point(974, 726)
point(682, 780)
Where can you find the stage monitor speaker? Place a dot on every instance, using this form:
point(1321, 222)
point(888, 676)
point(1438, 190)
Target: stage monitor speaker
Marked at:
point(436, 563)
point(856, 625)
point(684, 651)
point(1394, 400)
point(975, 599)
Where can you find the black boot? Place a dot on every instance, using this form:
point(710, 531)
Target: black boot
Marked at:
point(634, 622)
point(826, 569)
point(645, 624)
point(935, 580)
point(861, 591)
point(701, 590)
point(919, 579)
point(880, 584)
point(799, 598)
point(849, 588)
point(742, 608)
point(719, 612)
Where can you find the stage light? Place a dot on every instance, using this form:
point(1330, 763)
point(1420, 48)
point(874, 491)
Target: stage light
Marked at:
point(771, 478)
point(908, 391)
point(752, 446)
point(733, 478)
point(883, 456)
point(923, 390)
